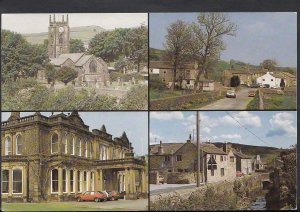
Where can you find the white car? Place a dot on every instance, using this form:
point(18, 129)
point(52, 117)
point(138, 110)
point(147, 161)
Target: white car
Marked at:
point(231, 93)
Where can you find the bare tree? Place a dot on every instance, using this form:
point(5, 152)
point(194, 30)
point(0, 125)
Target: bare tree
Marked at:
point(269, 64)
point(176, 45)
point(207, 42)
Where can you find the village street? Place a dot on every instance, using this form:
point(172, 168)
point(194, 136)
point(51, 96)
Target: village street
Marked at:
point(239, 103)
point(165, 188)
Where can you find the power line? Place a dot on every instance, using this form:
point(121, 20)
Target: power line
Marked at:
point(246, 128)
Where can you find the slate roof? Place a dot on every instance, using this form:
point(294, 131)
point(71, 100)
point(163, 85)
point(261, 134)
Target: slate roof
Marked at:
point(73, 56)
point(168, 148)
point(241, 155)
point(58, 61)
point(83, 60)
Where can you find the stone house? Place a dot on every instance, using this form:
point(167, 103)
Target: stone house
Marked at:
point(247, 77)
point(257, 163)
point(243, 162)
point(58, 157)
point(217, 164)
point(185, 75)
point(273, 79)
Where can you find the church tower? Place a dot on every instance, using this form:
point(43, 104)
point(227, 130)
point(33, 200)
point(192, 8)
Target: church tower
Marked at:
point(58, 37)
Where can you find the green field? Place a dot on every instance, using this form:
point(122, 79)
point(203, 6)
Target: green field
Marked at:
point(278, 102)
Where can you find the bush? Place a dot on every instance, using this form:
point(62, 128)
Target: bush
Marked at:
point(135, 99)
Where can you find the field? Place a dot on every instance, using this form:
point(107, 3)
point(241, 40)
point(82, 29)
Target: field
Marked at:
point(84, 33)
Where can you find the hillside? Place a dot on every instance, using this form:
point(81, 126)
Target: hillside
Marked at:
point(84, 33)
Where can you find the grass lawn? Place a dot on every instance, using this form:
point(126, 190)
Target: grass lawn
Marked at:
point(158, 94)
point(75, 206)
point(276, 101)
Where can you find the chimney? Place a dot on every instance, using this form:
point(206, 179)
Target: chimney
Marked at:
point(226, 147)
point(160, 148)
point(190, 139)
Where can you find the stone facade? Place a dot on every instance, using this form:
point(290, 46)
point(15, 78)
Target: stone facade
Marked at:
point(216, 164)
point(57, 157)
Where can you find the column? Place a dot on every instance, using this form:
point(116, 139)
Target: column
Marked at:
point(127, 181)
point(88, 180)
point(68, 181)
point(82, 181)
point(101, 180)
point(75, 177)
point(10, 185)
point(60, 189)
point(143, 182)
point(133, 181)
point(24, 184)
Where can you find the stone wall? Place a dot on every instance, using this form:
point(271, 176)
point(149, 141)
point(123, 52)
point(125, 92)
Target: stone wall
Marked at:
point(153, 176)
point(181, 178)
point(225, 195)
point(182, 102)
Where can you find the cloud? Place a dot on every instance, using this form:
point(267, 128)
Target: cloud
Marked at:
point(167, 115)
point(282, 124)
point(245, 118)
point(205, 129)
point(154, 137)
point(230, 136)
point(255, 27)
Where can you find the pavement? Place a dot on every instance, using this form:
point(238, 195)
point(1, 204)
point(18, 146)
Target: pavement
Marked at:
point(239, 103)
point(165, 188)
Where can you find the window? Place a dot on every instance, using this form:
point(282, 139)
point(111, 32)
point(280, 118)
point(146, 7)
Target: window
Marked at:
point(91, 151)
point(79, 181)
point(72, 146)
point(64, 144)
point(19, 145)
point(231, 158)
point(92, 181)
point(71, 181)
point(222, 172)
point(179, 170)
point(64, 180)
point(86, 149)
point(221, 157)
point(7, 146)
point(178, 158)
point(264, 80)
point(93, 66)
point(167, 158)
point(54, 181)
point(5, 181)
point(272, 80)
point(212, 172)
point(78, 147)
point(84, 181)
point(61, 39)
point(17, 181)
point(54, 143)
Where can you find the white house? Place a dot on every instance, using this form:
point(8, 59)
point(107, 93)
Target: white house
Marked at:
point(270, 80)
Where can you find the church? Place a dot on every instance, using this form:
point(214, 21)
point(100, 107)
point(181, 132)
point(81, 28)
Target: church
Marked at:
point(91, 70)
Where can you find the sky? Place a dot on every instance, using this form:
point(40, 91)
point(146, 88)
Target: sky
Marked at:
point(274, 129)
point(34, 23)
point(135, 124)
point(265, 35)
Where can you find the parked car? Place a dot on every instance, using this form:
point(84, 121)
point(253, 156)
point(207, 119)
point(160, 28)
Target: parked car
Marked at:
point(251, 93)
point(161, 179)
point(113, 195)
point(254, 85)
point(96, 196)
point(122, 194)
point(231, 93)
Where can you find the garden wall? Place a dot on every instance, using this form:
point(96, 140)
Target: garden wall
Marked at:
point(181, 178)
point(184, 102)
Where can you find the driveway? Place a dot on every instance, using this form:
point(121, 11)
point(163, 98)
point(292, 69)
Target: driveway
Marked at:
point(239, 103)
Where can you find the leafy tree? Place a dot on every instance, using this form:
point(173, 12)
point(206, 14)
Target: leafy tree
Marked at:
point(66, 74)
point(234, 81)
point(19, 58)
point(177, 45)
point(50, 73)
point(269, 64)
point(76, 46)
point(282, 83)
point(207, 40)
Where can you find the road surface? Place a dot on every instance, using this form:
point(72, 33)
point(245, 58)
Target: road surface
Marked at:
point(165, 188)
point(239, 103)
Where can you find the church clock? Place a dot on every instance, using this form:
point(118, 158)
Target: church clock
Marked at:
point(61, 29)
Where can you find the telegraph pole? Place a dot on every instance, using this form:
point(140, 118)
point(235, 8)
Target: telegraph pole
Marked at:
point(198, 149)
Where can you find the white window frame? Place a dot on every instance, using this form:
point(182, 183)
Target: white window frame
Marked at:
point(54, 192)
point(73, 146)
point(90, 149)
point(4, 181)
point(8, 138)
point(52, 143)
point(73, 187)
point(80, 189)
point(64, 181)
point(86, 149)
point(65, 142)
point(12, 180)
point(80, 147)
point(17, 148)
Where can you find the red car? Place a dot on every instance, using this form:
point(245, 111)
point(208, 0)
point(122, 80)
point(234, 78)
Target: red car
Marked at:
point(251, 93)
point(96, 196)
point(113, 195)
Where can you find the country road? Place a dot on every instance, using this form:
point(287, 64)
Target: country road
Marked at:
point(239, 103)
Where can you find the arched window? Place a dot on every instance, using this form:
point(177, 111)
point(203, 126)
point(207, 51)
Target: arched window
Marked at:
point(17, 181)
point(91, 150)
point(85, 149)
point(79, 180)
point(54, 181)
point(54, 143)
point(64, 180)
point(19, 145)
point(78, 147)
point(7, 146)
point(65, 143)
point(71, 181)
point(93, 66)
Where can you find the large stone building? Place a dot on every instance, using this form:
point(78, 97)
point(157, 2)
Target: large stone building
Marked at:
point(58, 157)
point(91, 70)
point(218, 164)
